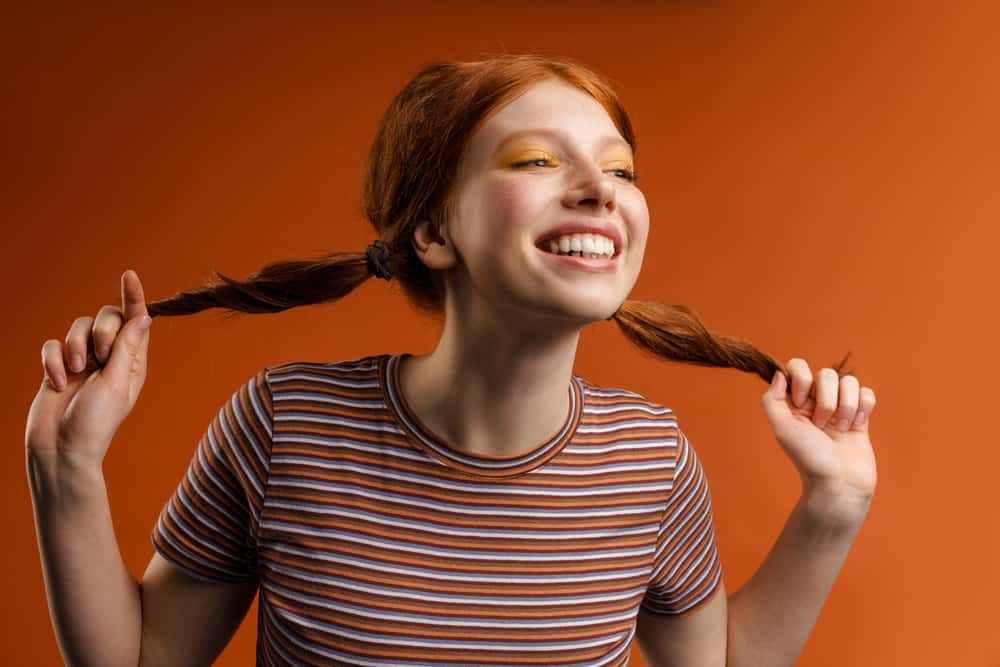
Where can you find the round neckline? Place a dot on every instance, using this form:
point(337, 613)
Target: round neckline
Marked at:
point(475, 464)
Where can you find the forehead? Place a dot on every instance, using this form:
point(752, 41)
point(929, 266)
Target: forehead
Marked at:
point(551, 104)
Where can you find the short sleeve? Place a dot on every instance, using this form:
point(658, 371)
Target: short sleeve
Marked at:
point(686, 564)
point(208, 527)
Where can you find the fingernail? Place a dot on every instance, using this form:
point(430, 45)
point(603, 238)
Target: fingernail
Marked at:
point(859, 419)
point(144, 323)
point(76, 363)
point(102, 353)
point(59, 381)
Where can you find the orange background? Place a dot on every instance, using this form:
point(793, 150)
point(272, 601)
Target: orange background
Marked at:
point(821, 176)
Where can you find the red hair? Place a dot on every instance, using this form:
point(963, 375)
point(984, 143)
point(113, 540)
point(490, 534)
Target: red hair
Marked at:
point(408, 179)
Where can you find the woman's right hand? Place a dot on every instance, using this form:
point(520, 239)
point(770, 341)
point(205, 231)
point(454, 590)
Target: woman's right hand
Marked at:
point(91, 382)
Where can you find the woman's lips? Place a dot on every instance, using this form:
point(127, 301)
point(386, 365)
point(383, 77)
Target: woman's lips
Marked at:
point(595, 264)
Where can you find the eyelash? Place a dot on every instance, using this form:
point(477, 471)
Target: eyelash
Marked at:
point(627, 174)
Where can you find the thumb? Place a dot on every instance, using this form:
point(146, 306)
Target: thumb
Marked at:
point(128, 352)
point(775, 399)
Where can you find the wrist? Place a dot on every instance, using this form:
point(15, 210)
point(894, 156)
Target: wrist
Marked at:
point(54, 475)
point(833, 508)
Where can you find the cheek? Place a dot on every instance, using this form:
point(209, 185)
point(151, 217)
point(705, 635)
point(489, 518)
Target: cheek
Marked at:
point(511, 203)
point(636, 215)
point(492, 213)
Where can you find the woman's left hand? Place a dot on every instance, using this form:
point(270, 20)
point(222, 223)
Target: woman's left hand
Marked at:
point(823, 428)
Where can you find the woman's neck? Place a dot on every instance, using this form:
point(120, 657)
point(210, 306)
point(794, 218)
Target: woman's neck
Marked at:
point(491, 395)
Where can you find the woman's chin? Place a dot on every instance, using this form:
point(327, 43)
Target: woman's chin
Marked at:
point(579, 313)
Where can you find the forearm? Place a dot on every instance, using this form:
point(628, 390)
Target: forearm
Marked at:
point(771, 616)
point(94, 601)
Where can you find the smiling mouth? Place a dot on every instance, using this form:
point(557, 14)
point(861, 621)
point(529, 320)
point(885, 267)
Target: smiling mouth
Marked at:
point(576, 260)
point(582, 246)
point(580, 254)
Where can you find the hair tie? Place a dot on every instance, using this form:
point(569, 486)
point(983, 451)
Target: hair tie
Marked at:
point(378, 256)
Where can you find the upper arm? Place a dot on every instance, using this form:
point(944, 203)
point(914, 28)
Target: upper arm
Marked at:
point(683, 618)
point(203, 575)
point(187, 620)
point(697, 638)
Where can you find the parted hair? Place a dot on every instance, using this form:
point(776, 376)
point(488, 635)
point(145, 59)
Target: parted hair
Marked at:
point(408, 176)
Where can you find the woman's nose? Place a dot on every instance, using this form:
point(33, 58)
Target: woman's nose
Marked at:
point(591, 189)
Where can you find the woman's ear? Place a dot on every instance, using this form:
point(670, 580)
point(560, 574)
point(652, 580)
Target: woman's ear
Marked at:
point(433, 246)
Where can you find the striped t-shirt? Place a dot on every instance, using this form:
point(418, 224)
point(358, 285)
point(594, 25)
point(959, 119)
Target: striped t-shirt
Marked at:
point(374, 543)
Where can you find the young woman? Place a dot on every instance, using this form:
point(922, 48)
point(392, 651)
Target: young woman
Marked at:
point(480, 504)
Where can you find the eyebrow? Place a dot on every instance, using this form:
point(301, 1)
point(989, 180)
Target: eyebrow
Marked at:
point(558, 135)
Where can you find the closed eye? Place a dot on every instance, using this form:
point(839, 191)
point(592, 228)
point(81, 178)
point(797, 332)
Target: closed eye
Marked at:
point(536, 162)
point(626, 174)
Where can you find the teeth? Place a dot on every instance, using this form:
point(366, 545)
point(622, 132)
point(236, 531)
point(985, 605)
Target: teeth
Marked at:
point(583, 245)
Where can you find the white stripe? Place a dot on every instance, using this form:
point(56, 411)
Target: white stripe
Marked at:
point(632, 424)
point(380, 615)
point(187, 553)
point(622, 407)
point(582, 449)
point(202, 518)
point(452, 575)
point(607, 469)
point(382, 475)
point(328, 399)
point(444, 644)
point(237, 451)
point(336, 445)
point(485, 556)
point(457, 531)
point(508, 601)
point(458, 508)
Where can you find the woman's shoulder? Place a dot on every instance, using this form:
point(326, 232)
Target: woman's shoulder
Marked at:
point(605, 398)
point(367, 364)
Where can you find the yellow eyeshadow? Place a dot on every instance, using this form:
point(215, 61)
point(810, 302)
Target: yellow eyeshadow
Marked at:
point(508, 158)
point(619, 159)
point(525, 155)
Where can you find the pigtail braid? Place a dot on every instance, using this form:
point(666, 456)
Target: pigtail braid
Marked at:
point(676, 333)
point(278, 286)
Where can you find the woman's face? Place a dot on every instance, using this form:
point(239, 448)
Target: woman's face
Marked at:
point(549, 168)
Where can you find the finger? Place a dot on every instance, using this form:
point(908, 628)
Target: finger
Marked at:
point(848, 407)
point(128, 354)
point(75, 355)
point(801, 378)
point(105, 329)
point(134, 302)
point(133, 297)
point(774, 400)
point(866, 404)
point(52, 364)
point(825, 393)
